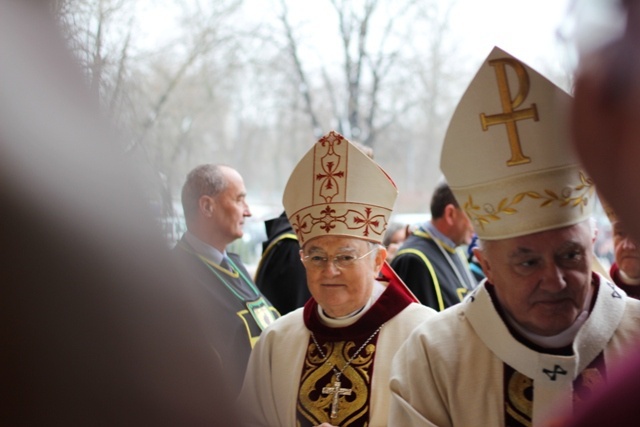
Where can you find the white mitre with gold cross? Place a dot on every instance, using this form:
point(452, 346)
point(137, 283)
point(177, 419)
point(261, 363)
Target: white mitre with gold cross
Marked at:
point(338, 190)
point(507, 154)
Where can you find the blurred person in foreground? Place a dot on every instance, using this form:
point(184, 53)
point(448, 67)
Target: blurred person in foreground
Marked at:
point(98, 327)
point(604, 120)
point(429, 261)
point(328, 362)
point(543, 329)
point(606, 134)
point(215, 206)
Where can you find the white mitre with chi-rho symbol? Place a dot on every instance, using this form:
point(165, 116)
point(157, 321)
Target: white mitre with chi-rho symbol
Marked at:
point(507, 155)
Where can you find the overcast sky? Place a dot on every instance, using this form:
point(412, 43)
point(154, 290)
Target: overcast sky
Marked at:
point(525, 28)
point(528, 29)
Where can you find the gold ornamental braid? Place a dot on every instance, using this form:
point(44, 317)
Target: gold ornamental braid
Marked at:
point(573, 197)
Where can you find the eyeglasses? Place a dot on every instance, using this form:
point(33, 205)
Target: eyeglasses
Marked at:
point(341, 261)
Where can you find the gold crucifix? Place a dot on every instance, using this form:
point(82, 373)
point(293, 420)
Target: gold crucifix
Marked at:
point(510, 115)
point(337, 392)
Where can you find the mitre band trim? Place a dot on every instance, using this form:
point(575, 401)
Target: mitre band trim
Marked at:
point(529, 203)
point(349, 219)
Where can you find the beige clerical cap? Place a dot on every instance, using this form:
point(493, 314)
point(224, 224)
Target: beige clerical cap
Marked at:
point(338, 190)
point(507, 157)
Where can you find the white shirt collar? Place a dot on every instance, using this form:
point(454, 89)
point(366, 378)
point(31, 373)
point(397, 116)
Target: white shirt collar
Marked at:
point(563, 339)
point(204, 249)
point(626, 279)
point(351, 318)
point(438, 235)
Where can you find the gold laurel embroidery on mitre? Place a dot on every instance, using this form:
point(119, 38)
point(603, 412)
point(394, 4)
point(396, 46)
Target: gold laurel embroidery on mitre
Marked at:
point(318, 373)
point(572, 197)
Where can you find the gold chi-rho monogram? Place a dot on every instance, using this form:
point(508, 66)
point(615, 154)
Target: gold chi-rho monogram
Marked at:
point(510, 115)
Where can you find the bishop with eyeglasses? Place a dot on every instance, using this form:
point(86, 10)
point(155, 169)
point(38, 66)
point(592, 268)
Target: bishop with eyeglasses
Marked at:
point(328, 362)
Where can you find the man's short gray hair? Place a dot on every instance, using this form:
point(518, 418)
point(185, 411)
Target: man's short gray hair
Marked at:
point(204, 180)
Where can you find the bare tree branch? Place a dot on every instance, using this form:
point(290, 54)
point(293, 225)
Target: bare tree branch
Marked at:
point(122, 66)
point(303, 81)
point(203, 43)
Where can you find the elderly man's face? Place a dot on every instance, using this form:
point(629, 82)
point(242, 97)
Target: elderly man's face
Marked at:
point(627, 252)
point(341, 290)
point(542, 280)
point(230, 209)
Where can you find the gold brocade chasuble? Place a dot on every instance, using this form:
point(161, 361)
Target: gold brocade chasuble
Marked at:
point(519, 391)
point(557, 378)
point(353, 346)
point(317, 395)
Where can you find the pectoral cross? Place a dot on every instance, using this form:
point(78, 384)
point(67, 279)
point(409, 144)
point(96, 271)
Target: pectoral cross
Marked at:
point(337, 392)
